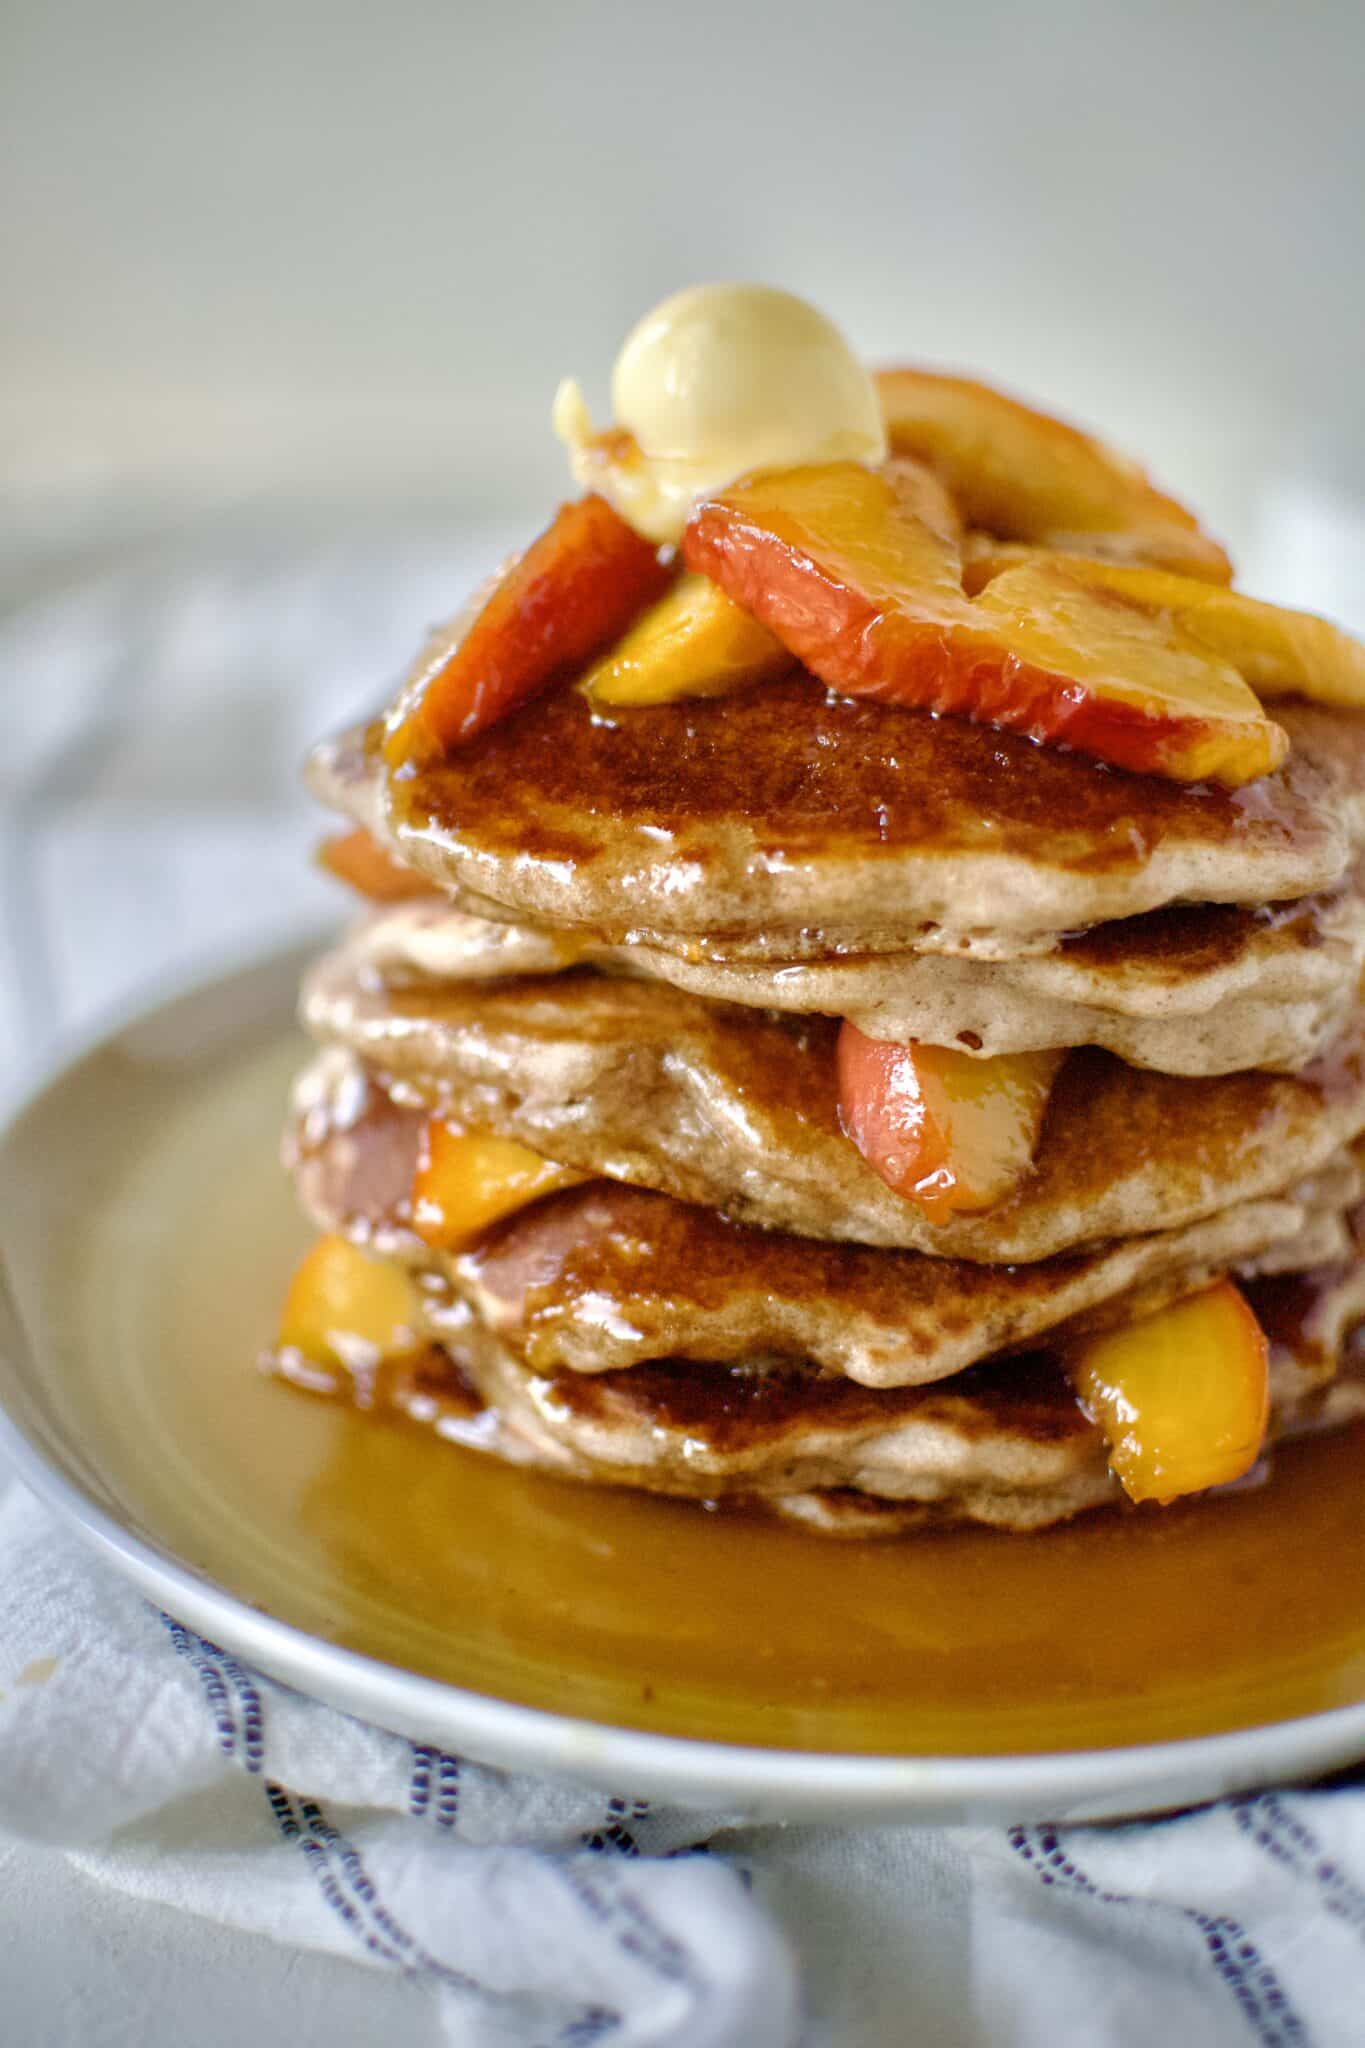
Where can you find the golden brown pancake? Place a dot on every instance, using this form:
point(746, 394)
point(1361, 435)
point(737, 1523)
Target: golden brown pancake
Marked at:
point(1004, 1443)
point(1202, 989)
point(603, 1277)
point(781, 809)
point(737, 1110)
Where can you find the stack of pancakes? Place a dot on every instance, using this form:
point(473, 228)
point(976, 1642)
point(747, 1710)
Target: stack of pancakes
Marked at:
point(625, 938)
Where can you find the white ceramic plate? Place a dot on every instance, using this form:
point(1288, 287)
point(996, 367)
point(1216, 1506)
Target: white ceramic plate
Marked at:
point(146, 1232)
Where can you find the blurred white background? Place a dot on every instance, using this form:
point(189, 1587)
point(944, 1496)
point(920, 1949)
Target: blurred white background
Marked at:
point(327, 249)
point(288, 285)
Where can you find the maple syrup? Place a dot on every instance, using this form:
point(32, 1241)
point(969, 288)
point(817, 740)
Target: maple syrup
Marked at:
point(791, 772)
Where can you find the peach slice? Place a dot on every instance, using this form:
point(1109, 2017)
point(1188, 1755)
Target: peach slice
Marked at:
point(465, 1182)
point(1023, 475)
point(1280, 653)
point(843, 565)
point(576, 587)
point(947, 1131)
point(358, 859)
point(695, 642)
point(1182, 1396)
point(346, 1308)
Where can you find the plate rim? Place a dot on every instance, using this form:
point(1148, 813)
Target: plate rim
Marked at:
point(745, 1778)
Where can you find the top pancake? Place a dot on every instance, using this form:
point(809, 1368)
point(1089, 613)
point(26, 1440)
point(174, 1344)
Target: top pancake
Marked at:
point(781, 809)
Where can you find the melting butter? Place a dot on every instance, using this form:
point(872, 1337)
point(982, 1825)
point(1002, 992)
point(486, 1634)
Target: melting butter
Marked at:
point(717, 381)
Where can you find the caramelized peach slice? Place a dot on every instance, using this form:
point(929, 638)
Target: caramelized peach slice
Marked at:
point(465, 1182)
point(358, 859)
point(1023, 475)
point(1182, 1396)
point(347, 1308)
point(573, 590)
point(948, 1131)
point(695, 642)
point(1281, 653)
point(843, 565)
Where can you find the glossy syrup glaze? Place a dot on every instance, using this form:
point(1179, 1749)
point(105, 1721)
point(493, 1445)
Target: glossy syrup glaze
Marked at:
point(727, 1407)
point(807, 772)
point(1197, 938)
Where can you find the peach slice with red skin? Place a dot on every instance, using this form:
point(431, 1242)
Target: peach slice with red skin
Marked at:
point(1022, 475)
point(1182, 1396)
point(576, 588)
point(695, 642)
point(843, 565)
point(466, 1182)
point(947, 1131)
point(1280, 652)
point(358, 859)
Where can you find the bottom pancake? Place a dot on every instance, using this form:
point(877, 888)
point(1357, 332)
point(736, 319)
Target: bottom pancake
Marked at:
point(1005, 1443)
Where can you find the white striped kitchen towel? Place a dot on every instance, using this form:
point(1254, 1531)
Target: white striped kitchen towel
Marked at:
point(545, 1915)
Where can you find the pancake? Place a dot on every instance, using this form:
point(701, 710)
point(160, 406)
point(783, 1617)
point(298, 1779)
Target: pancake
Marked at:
point(737, 1110)
point(782, 809)
point(1005, 1443)
point(1207, 989)
point(603, 1277)
point(1317, 1378)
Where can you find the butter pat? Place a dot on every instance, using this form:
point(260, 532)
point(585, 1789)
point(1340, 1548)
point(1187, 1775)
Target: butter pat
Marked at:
point(718, 381)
